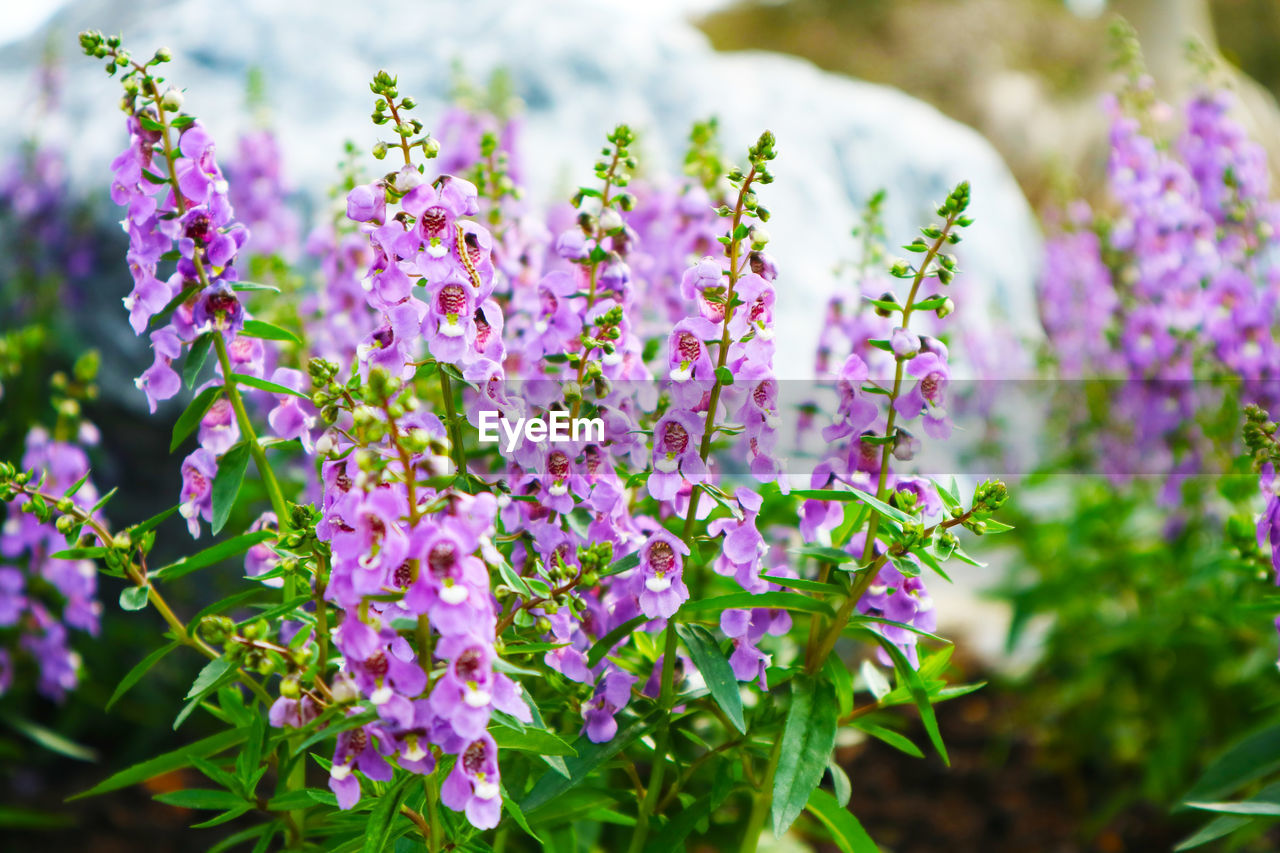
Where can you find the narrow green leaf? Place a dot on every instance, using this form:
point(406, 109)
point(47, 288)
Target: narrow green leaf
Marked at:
point(619, 566)
point(517, 814)
point(189, 420)
point(268, 331)
point(606, 643)
point(227, 482)
point(918, 691)
point(200, 798)
point(212, 555)
point(715, 670)
point(264, 385)
point(540, 741)
point(777, 600)
point(140, 669)
point(153, 522)
point(253, 286)
point(825, 554)
point(95, 553)
point(165, 763)
point(197, 355)
point(215, 673)
point(166, 312)
point(50, 739)
point(882, 507)
point(808, 737)
point(1213, 830)
point(381, 820)
point(1256, 755)
point(805, 585)
point(894, 739)
point(1252, 808)
point(845, 829)
point(590, 756)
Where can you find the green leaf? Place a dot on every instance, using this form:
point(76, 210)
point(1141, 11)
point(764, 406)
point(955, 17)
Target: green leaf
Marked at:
point(606, 643)
point(517, 814)
point(619, 566)
point(845, 829)
point(212, 555)
point(1255, 756)
point(166, 312)
point(153, 522)
point(894, 739)
point(724, 375)
point(102, 501)
point(824, 554)
point(378, 833)
point(1213, 830)
point(882, 507)
point(252, 286)
point(715, 670)
point(95, 553)
point(917, 689)
point(678, 828)
point(590, 756)
point(806, 585)
point(166, 763)
point(200, 798)
point(134, 597)
point(808, 737)
point(210, 677)
point(50, 739)
point(268, 332)
point(226, 484)
point(140, 669)
point(197, 355)
point(840, 784)
point(540, 741)
point(1253, 807)
point(264, 385)
point(777, 600)
point(16, 817)
point(191, 415)
point(875, 680)
point(825, 495)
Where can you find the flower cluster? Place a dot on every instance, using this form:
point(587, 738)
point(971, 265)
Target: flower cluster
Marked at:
point(424, 568)
point(43, 596)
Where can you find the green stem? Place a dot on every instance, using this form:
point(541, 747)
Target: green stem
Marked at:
point(652, 791)
point(663, 742)
point(815, 657)
point(457, 450)
point(269, 480)
point(761, 802)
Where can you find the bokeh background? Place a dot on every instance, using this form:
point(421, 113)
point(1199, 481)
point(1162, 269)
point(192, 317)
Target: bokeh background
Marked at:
point(1119, 663)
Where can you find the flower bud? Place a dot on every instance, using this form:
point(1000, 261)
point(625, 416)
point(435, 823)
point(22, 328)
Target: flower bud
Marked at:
point(172, 101)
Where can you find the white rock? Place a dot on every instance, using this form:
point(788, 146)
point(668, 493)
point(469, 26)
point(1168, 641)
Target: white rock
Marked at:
point(580, 66)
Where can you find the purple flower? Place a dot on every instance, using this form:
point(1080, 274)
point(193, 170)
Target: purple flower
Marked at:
point(472, 786)
point(368, 203)
point(675, 453)
point(198, 471)
point(289, 419)
point(928, 395)
point(661, 575)
point(612, 695)
point(160, 381)
point(360, 748)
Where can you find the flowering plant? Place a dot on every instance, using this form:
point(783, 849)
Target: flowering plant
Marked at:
point(615, 618)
